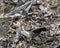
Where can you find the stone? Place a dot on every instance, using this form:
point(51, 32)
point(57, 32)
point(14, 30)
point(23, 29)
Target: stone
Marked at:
point(32, 47)
point(27, 27)
point(15, 0)
point(13, 45)
point(16, 40)
point(37, 39)
point(17, 24)
point(38, 1)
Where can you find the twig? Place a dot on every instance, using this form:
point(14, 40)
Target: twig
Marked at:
point(18, 8)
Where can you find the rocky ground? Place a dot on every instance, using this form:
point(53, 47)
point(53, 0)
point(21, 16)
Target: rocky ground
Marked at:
point(29, 23)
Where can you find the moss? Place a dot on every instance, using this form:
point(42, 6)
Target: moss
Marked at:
point(59, 2)
point(54, 39)
point(49, 35)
